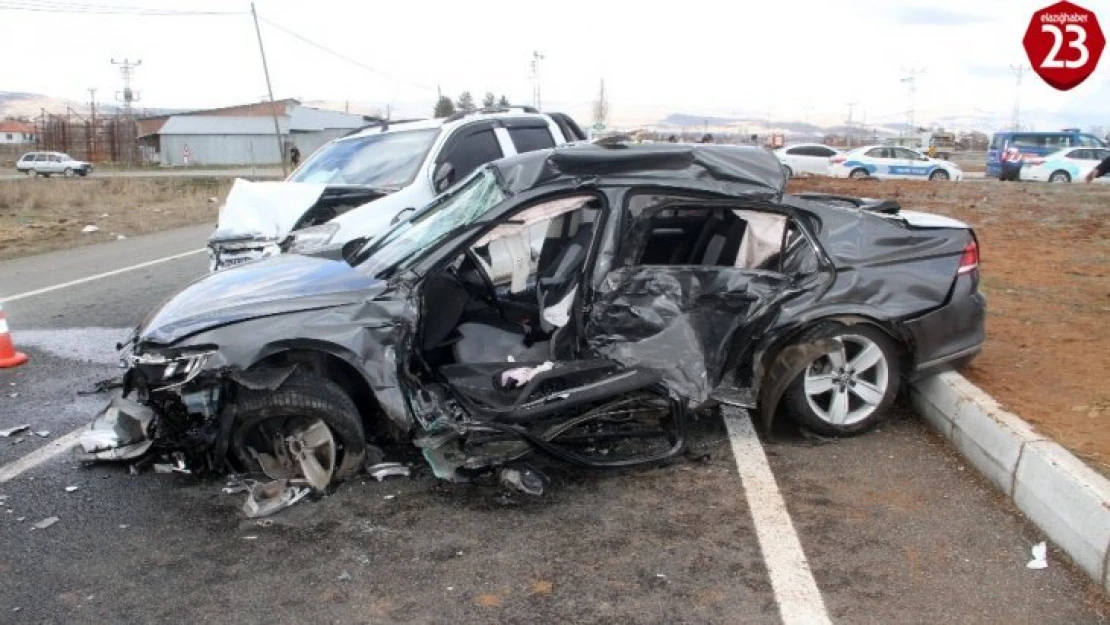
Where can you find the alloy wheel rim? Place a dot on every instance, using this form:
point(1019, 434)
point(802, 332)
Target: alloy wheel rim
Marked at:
point(846, 387)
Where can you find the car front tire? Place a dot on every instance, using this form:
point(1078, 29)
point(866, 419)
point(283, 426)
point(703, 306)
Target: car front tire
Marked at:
point(300, 403)
point(939, 176)
point(849, 391)
point(31, 173)
point(1060, 176)
point(67, 172)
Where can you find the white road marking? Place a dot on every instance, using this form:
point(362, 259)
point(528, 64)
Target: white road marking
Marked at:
point(98, 276)
point(796, 591)
point(50, 450)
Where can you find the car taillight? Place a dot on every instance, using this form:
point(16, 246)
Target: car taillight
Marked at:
point(970, 260)
point(837, 159)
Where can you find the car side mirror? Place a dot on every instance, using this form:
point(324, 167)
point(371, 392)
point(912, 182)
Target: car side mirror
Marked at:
point(443, 177)
point(401, 212)
point(350, 248)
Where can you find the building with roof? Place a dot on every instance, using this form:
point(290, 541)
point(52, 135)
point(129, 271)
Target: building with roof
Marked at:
point(13, 132)
point(242, 135)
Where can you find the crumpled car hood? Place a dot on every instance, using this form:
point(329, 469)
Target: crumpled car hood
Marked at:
point(282, 284)
point(265, 210)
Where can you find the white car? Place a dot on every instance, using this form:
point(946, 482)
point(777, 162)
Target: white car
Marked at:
point(354, 187)
point(891, 162)
point(46, 164)
point(806, 158)
point(1067, 165)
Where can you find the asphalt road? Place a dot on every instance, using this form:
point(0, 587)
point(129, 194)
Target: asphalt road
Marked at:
point(237, 172)
point(894, 527)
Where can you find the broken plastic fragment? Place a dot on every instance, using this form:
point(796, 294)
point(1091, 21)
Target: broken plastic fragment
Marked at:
point(522, 480)
point(45, 523)
point(70, 489)
point(383, 470)
point(522, 375)
point(266, 499)
point(15, 430)
point(42, 433)
point(1040, 557)
point(344, 576)
point(119, 432)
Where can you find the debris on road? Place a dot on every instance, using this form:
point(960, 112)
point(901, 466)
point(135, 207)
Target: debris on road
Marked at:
point(42, 433)
point(344, 576)
point(119, 432)
point(383, 470)
point(70, 489)
point(89, 229)
point(525, 481)
point(1040, 556)
point(15, 430)
point(45, 523)
point(266, 499)
point(103, 385)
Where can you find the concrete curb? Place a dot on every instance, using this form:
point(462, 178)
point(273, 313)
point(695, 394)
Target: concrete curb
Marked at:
point(1068, 500)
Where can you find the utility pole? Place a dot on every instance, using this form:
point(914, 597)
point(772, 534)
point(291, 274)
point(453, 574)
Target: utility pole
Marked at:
point(1019, 71)
point(128, 97)
point(601, 107)
point(851, 109)
point(911, 82)
point(92, 124)
point(270, 91)
point(536, 58)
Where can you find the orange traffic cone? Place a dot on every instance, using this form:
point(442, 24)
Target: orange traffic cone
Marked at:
point(8, 356)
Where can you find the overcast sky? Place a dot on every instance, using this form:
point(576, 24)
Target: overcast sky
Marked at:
point(791, 59)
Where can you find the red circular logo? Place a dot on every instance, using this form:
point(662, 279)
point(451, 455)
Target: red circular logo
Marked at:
point(1064, 43)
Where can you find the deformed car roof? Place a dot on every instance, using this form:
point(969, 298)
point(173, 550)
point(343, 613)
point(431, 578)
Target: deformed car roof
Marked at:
point(727, 169)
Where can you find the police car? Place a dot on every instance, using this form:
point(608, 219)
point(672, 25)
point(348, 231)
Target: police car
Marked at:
point(1067, 165)
point(887, 161)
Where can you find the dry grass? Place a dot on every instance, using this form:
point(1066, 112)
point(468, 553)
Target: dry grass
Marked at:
point(48, 214)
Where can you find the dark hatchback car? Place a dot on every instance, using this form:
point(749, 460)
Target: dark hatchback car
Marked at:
point(581, 302)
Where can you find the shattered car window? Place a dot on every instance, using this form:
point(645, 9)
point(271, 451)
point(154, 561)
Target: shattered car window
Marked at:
point(455, 211)
point(382, 160)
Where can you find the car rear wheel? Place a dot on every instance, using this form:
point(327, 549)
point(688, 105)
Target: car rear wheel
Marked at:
point(32, 173)
point(308, 428)
point(1060, 176)
point(850, 390)
point(939, 174)
point(68, 173)
point(859, 173)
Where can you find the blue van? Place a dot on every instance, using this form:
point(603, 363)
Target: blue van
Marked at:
point(1036, 144)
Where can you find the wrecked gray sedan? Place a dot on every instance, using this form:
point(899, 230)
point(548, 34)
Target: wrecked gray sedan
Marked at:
point(582, 303)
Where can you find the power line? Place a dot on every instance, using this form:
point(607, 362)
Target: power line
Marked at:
point(340, 55)
point(47, 6)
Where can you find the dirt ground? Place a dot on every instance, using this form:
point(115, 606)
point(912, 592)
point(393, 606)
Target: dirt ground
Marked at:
point(1045, 260)
point(49, 214)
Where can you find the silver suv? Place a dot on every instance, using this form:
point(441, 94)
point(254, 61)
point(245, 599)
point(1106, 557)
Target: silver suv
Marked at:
point(49, 163)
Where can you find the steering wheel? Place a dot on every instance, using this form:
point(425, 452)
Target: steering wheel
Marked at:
point(487, 282)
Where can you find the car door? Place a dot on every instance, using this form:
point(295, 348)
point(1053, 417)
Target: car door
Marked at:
point(691, 283)
point(883, 161)
point(910, 164)
point(42, 163)
point(468, 148)
point(815, 159)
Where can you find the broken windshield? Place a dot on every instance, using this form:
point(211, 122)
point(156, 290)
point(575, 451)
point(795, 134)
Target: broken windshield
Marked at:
point(382, 160)
point(450, 213)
